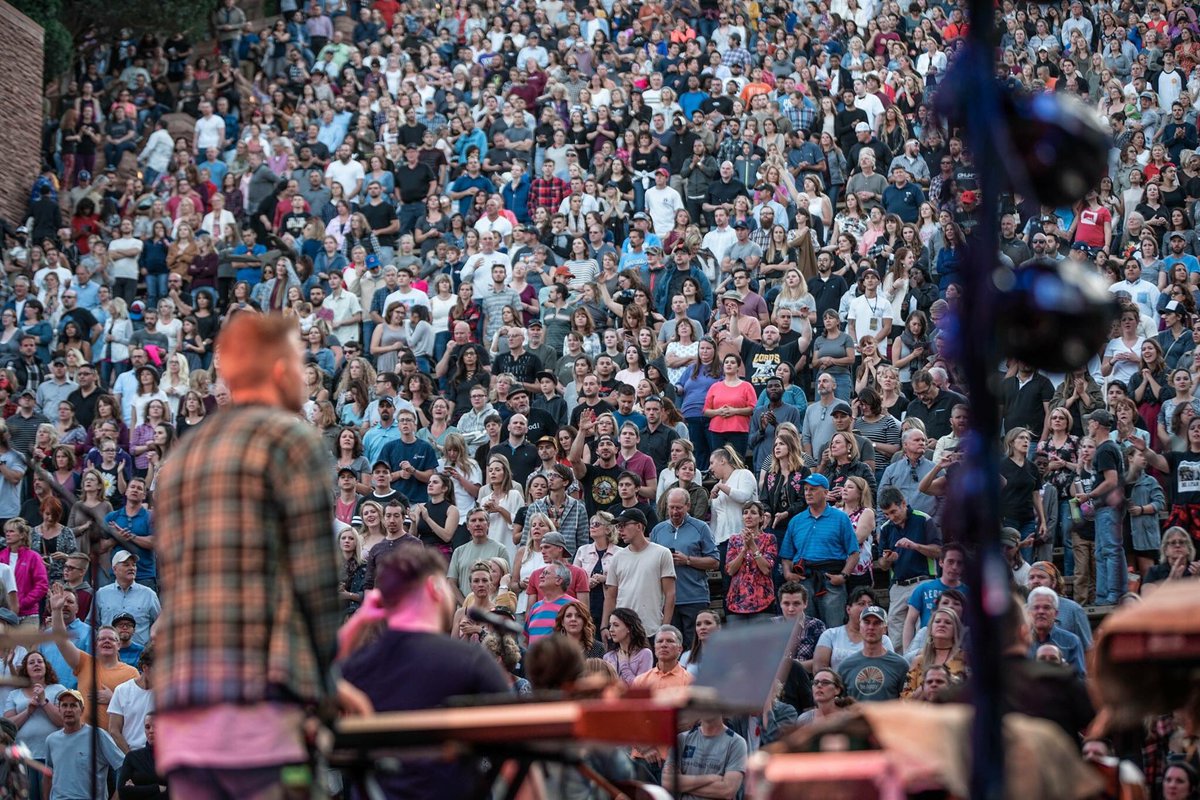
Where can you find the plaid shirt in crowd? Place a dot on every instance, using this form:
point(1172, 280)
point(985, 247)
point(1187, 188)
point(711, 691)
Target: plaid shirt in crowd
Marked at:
point(547, 193)
point(248, 564)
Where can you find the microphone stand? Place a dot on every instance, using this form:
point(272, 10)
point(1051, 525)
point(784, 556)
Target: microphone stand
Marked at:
point(98, 530)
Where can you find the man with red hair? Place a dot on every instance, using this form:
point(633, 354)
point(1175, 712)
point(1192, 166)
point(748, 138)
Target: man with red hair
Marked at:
point(251, 613)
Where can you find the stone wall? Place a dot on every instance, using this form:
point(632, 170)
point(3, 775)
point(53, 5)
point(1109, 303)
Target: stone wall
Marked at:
point(20, 110)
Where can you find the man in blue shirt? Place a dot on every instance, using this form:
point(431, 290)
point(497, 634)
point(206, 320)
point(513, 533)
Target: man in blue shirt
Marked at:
point(820, 550)
point(1176, 244)
point(471, 178)
point(694, 552)
point(911, 544)
point(923, 600)
point(1043, 616)
point(125, 597)
point(382, 433)
point(131, 527)
point(903, 198)
point(411, 460)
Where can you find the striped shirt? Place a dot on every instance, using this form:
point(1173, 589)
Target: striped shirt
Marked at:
point(247, 563)
point(540, 621)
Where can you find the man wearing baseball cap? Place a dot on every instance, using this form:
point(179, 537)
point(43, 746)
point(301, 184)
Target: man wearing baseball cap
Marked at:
point(125, 597)
point(1109, 466)
point(599, 478)
point(820, 550)
point(873, 674)
point(662, 202)
point(641, 576)
point(69, 754)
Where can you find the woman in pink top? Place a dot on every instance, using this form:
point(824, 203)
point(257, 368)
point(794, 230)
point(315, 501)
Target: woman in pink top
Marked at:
point(728, 406)
point(28, 568)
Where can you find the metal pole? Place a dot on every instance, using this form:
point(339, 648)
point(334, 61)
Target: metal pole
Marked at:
point(975, 515)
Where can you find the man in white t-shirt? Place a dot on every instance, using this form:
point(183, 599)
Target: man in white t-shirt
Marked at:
point(405, 293)
point(210, 129)
point(131, 702)
point(346, 171)
point(478, 268)
point(124, 253)
point(494, 221)
point(8, 580)
point(641, 577)
point(870, 316)
point(662, 202)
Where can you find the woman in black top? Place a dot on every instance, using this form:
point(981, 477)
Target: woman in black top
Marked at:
point(1020, 496)
point(437, 519)
point(468, 374)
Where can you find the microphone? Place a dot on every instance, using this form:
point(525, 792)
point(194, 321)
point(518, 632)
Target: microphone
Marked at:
point(497, 621)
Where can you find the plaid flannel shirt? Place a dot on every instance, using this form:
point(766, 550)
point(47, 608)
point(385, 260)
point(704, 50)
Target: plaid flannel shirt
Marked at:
point(248, 564)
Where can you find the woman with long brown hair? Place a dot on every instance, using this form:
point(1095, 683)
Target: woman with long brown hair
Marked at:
point(574, 621)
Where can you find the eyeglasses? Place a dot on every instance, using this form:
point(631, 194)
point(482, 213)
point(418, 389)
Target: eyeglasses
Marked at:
point(824, 682)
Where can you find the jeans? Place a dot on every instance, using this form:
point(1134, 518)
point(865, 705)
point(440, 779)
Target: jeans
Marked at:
point(1111, 570)
point(684, 618)
point(156, 288)
point(1064, 538)
point(255, 783)
point(409, 214)
point(843, 386)
point(826, 602)
point(698, 433)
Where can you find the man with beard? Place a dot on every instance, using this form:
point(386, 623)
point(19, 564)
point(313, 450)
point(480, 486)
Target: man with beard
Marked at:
point(589, 401)
point(599, 479)
point(541, 423)
point(415, 603)
point(766, 419)
point(222, 503)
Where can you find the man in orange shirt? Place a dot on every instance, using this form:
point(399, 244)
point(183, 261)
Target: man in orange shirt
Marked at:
point(668, 647)
point(111, 672)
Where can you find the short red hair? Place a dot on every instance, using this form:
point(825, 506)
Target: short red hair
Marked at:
point(249, 346)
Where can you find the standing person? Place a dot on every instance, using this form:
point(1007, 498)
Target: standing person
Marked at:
point(911, 545)
point(1108, 496)
point(820, 540)
point(69, 754)
point(694, 553)
point(641, 577)
point(728, 405)
point(278, 580)
point(750, 562)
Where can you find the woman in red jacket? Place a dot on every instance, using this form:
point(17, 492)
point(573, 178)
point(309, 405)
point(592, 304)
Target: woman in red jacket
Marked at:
point(29, 569)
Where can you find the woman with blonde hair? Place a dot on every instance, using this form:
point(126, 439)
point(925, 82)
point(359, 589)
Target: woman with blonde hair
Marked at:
point(593, 558)
point(858, 503)
point(27, 567)
point(370, 523)
point(91, 501)
point(112, 348)
point(501, 499)
point(943, 647)
point(795, 296)
point(529, 559)
point(175, 381)
point(735, 488)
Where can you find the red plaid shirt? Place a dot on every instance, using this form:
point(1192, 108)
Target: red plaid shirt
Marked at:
point(547, 193)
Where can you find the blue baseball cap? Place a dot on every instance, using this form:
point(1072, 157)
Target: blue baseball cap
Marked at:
point(817, 479)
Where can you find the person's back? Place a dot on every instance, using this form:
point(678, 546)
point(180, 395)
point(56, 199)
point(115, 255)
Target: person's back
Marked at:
point(252, 610)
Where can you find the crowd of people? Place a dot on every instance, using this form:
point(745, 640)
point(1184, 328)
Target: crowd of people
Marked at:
point(637, 314)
